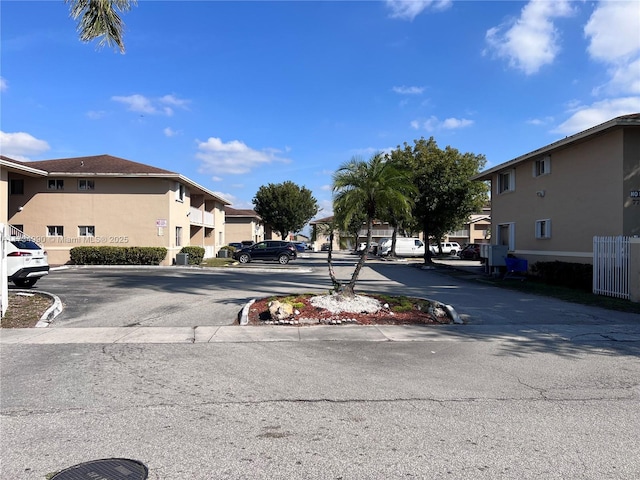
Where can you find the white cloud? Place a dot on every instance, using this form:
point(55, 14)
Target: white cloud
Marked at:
point(408, 90)
point(233, 157)
point(590, 116)
point(96, 114)
point(326, 188)
point(228, 197)
point(613, 36)
point(410, 9)
point(531, 41)
point(3, 85)
point(613, 30)
point(433, 123)
point(540, 121)
point(169, 132)
point(21, 145)
point(454, 123)
point(161, 106)
point(216, 179)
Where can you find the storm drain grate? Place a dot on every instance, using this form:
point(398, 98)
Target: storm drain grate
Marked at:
point(106, 469)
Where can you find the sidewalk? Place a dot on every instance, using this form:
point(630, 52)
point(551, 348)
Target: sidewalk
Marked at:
point(321, 333)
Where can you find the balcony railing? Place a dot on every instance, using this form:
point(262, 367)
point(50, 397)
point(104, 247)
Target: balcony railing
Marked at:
point(198, 217)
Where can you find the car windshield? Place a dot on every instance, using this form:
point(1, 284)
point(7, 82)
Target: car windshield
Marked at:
point(26, 245)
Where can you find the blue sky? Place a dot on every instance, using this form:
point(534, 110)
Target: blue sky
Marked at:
point(239, 94)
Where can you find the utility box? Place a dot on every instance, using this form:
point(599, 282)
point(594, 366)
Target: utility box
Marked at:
point(223, 253)
point(495, 254)
point(182, 259)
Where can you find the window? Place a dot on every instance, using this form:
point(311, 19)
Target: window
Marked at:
point(86, 184)
point(506, 181)
point(507, 235)
point(16, 186)
point(180, 192)
point(55, 184)
point(178, 236)
point(86, 231)
point(542, 166)
point(55, 230)
point(543, 228)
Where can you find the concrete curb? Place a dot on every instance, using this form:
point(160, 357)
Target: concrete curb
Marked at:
point(244, 315)
point(454, 315)
point(52, 312)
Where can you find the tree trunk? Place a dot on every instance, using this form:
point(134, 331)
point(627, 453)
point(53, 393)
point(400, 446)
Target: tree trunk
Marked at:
point(337, 286)
point(349, 289)
point(427, 250)
point(394, 235)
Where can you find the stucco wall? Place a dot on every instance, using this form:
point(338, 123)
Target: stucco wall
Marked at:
point(124, 212)
point(631, 182)
point(4, 194)
point(582, 196)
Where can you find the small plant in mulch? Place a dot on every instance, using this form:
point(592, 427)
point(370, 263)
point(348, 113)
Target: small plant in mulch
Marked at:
point(395, 310)
point(25, 309)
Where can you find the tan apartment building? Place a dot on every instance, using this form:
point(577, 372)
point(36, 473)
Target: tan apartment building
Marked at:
point(106, 200)
point(243, 225)
point(477, 229)
point(549, 204)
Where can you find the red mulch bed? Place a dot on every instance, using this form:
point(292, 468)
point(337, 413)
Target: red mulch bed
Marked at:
point(401, 311)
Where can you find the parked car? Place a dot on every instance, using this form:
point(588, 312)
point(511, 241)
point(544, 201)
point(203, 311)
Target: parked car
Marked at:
point(236, 245)
point(450, 248)
point(372, 248)
point(324, 247)
point(26, 262)
point(301, 246)
point(279, 250)
point(405, 247)
point(470, 252)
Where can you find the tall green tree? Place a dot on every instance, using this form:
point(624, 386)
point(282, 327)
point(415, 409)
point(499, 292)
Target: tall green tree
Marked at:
point(368, 187)
point(446, 194)
point(100, 19)
point(285, 206)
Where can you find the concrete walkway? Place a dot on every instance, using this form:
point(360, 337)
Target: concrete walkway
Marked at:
point(358, 333)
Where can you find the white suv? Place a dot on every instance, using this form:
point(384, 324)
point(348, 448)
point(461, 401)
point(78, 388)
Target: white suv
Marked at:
point(26, 262)
point(450, 248)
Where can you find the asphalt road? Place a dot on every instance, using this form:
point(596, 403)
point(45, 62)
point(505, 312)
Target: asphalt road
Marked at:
point(477, 403)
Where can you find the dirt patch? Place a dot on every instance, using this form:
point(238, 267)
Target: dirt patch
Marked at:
point(397, 310)
point(24, 310)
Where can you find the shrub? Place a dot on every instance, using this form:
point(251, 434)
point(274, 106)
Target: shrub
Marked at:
point(196, 254)
point(105, 255)
point(566, 274)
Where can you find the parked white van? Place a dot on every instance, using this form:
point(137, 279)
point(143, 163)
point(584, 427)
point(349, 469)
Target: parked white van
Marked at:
point(405, 247)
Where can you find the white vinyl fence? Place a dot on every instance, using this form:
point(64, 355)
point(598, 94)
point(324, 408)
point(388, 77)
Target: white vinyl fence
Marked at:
point(611, 266)
point(4, 283)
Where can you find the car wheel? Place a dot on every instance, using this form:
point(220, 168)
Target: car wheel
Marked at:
point(453, 253)
point(25, 282)
point(283, 259)
point(244, 258)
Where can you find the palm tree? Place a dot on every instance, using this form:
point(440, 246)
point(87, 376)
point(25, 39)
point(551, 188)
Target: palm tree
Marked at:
point(370, 187)
point(99, 18)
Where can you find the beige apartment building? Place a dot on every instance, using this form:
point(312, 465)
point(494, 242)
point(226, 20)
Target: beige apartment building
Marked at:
point(106, 200)
point(243, 225)
point(548, 204)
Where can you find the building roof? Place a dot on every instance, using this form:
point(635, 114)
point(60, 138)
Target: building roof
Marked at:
point(20, 167)
point(96, 165)
point(325, 220)
point(234, 212)
point(631, 120)
point(109, 166)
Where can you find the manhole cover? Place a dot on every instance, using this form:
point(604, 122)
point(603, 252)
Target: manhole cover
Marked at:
point(107, 469)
